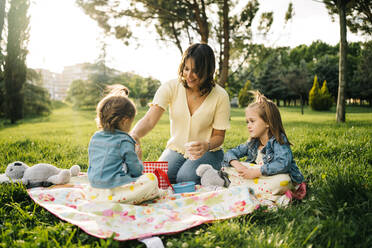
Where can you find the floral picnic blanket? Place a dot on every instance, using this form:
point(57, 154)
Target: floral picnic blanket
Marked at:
point(169, 214)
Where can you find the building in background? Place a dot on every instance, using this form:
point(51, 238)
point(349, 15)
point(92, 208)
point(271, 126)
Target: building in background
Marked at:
point(57, 84)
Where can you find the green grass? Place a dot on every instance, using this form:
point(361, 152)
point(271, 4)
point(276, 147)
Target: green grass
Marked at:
point(335, 158)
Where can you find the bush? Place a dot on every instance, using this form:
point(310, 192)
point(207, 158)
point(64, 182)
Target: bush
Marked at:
point(245, 96)
point(320, 99)
point(143, 102)
point(326, 98)
point(36, 100)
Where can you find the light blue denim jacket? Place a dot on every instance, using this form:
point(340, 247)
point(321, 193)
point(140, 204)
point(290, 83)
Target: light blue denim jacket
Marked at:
point(112, 160)
point(277, 159)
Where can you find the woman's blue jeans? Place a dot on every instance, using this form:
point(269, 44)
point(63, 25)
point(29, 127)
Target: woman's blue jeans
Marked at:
point(181, 169)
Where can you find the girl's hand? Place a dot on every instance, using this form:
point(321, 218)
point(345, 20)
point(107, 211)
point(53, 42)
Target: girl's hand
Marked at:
point(196, 149)
point(237, 165)
point(245, 172)
point(250, 173)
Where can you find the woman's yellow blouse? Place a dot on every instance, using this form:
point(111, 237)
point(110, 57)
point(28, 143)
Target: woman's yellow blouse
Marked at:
point(213, 113)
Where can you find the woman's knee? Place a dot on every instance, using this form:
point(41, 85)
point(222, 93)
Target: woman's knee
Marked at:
point(188, 172)
point(186, 176)
point(175, 161)
point(212, 158)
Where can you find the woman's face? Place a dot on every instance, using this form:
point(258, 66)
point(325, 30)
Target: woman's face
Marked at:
point(189, 74)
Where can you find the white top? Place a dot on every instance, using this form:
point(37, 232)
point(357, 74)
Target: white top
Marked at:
point(213, 113)
point(259, 159)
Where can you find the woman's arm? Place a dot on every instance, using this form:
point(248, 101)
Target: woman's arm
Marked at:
point(147, 123)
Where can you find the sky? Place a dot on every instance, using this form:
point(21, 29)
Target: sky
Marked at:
point(62, 35)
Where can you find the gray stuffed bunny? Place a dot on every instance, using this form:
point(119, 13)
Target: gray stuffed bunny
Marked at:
point(211, 177)
point(39, 174)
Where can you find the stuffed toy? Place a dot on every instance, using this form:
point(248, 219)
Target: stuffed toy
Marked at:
point(211, 177)
point(39, 174)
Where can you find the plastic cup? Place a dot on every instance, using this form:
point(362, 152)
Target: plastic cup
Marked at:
point(188, 153)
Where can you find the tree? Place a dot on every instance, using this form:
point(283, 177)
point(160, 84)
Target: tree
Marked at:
point(326, 98)
point(15, 67)
point(183, 20)
point(296, 77)
point(363, 76)
point(314, 95)
point(36, 100)
point(87, 93)
point(78, 94)
point(326, 67)
point(245, 95)
point(2, 21)
point(360, 17)
point(349, 12)
point(354, 55)
point(267, 77)
point(319, 98)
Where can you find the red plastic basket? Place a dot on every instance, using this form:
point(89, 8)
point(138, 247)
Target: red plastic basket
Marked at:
point(160, 169)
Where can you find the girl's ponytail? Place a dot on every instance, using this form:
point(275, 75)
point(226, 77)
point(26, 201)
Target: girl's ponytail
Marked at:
point(117, 90)
point(269, 112)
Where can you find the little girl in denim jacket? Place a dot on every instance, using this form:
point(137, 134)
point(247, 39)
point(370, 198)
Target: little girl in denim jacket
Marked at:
point(115, 168)
point(268, 146)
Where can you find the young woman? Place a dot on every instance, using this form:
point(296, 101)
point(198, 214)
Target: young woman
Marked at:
point(199, 112)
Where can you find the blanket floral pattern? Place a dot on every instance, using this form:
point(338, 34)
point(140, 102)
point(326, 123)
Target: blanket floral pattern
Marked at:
point(169, 214)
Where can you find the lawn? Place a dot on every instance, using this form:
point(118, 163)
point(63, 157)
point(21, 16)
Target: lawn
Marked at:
point(334, 158)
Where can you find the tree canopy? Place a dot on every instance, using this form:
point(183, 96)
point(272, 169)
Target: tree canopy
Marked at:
point(357, 15)
point(225, 24)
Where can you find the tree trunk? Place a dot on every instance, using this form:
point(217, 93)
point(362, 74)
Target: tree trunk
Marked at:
point(177, 40)
point(15, 61)
point(2, 19)
point(226, 45)
point(340, 109)
point(302, 105)
point(201, 19)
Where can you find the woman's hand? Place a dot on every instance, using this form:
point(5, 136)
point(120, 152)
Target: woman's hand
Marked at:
point(137, 146)
point(196, 149)
point(135, 137)
point(138, 151)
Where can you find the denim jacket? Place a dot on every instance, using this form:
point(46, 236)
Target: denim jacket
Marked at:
point(112, 160)
point(277, 159)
